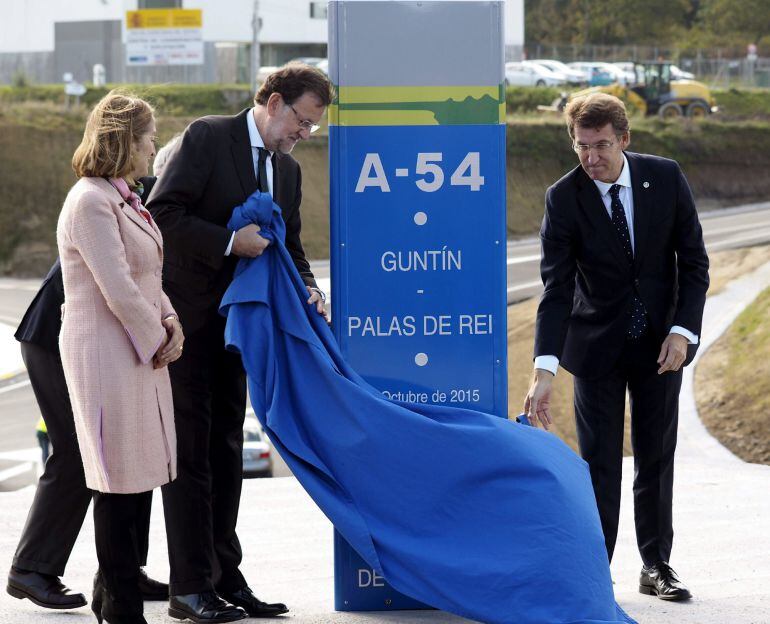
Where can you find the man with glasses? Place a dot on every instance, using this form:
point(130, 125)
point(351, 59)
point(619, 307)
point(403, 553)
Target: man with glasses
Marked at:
point(217, 165)
point(625, 272)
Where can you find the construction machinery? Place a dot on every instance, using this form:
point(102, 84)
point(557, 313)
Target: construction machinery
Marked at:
point(655, 93)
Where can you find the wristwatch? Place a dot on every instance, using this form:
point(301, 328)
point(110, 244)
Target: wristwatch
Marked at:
point(321, 293)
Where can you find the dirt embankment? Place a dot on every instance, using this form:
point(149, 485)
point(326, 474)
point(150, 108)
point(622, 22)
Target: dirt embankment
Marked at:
point(726, 164)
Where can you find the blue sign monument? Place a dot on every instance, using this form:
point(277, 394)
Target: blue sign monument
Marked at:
point(418, 253)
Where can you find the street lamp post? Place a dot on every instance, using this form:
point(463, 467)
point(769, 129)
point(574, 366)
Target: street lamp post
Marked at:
point(256, 61)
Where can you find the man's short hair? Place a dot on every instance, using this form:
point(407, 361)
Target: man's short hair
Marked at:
point(595, 111)
point(293, 80)
point(161, 158)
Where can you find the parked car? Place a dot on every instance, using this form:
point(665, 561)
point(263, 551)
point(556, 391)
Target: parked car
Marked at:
point(627, 67)
point(309, 60)
point(264, 72)
point(573, 76)
point(680, 74)
point(624, 77)
point(257, 452)
point(531, 75)
point(556, 72)
point(597, 75)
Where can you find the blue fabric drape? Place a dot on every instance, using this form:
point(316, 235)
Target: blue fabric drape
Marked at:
point(462, 510)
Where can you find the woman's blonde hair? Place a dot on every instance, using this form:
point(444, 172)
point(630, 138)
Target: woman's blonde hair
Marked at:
point(114, 126)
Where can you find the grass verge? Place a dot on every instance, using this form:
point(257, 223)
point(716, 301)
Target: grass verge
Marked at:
point(732, 383)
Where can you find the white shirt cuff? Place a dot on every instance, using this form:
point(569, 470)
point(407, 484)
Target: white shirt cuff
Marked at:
point(230, 245)
point(547, 362)
point(692, 338)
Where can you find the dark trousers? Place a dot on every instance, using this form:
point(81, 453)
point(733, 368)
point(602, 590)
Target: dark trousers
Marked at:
point(61, 499)
point(599, 412)
point(117, 542)
point(201, 505)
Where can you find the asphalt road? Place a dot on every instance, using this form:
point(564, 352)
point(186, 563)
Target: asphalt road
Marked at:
point(724, 229)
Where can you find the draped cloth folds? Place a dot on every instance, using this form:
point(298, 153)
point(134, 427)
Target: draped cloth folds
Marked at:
point(464, 511)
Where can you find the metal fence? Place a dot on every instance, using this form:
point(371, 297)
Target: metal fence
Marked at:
point(719, 68)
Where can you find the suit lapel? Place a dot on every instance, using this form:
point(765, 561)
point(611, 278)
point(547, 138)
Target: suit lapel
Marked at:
point(593, 206)
point(241, 152)
point(134, 216)
point(642, 206)
point(277, 190)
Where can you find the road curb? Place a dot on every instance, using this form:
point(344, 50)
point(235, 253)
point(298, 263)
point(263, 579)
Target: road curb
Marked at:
point(11, 363)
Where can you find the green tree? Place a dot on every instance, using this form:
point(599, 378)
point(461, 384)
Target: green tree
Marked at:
point(606, 22)
point(735, 22)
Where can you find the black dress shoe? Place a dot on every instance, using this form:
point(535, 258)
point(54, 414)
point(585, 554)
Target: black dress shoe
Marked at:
point(45, 590)
point(246, 599)
point(206, 608)
point(115, 609)
point(661, 581)
point(150, 588)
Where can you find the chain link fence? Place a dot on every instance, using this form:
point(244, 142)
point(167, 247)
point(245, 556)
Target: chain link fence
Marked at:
point(717, 68)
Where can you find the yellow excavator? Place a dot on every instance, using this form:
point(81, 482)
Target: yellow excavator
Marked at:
point(655, 93)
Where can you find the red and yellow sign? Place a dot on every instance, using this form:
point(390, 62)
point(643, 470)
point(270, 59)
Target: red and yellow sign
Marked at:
point(164, 37)
point(164, 18)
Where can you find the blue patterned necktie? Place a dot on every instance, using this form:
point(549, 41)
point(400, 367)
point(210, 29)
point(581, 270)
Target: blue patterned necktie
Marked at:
point(638, 324)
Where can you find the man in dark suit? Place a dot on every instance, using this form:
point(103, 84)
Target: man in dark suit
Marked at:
point(219, 163)
point(62, 498)
point(625, 273)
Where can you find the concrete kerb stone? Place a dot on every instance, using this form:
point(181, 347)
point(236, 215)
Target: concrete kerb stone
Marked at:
point(11, 363)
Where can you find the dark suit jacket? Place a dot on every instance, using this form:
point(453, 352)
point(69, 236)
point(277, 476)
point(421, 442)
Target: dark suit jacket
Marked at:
point(209, 173)
point(42, 320)
point(589, 284)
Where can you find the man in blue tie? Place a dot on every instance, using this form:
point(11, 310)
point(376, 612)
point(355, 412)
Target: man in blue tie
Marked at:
point(625, 272)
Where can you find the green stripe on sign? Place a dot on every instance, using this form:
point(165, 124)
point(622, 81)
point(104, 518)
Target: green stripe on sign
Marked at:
point(417, 106)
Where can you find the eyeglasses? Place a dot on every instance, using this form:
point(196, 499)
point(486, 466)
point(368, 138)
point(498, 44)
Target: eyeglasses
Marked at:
point(600, 147)
point(305, 124)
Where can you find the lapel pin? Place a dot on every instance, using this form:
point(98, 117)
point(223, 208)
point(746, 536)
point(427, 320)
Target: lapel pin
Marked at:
point(646, 184)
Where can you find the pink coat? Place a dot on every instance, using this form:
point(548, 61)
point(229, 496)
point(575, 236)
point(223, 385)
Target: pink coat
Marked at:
point(111, 262)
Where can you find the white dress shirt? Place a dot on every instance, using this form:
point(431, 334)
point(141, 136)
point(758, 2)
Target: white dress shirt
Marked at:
point(626, 195)
point(256, 143)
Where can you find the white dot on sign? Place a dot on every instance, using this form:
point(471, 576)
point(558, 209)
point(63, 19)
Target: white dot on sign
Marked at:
point(421, 359)
point(420, 218)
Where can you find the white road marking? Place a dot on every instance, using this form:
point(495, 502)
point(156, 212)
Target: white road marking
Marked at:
point(16, 286)
point(736, 228)
point(523, 259)
point(524, 286)
point(757, 237)
point(15, 471)
point(15, 386)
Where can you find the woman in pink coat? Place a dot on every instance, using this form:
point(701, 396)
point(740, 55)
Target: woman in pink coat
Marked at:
point(118, 334)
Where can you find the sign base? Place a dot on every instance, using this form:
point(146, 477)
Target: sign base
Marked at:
point(359, 588)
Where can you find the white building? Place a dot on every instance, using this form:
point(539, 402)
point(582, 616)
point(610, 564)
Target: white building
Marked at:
point(42, 39)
